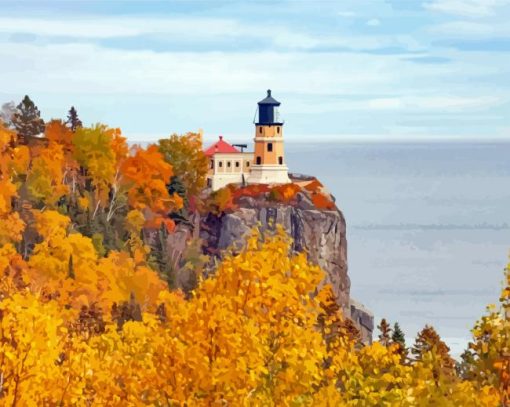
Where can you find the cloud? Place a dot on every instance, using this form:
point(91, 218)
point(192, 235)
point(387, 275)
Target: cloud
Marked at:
point(62, 68)
point(105, 27)
point(419, 104)
point(466, 8)
point(463, 29)
point(169, 32)
point(428, 60)
point(374, 22)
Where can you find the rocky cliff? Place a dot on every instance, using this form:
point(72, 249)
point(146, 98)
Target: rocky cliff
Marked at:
point(320, 232)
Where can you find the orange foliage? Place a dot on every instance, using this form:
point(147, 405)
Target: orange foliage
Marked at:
point(314, 186)
point(253, 191)
point(322, 201)
point(11, 225)
point(146, 173)
point(285, 193)
point(222, 200)
point(57, 132)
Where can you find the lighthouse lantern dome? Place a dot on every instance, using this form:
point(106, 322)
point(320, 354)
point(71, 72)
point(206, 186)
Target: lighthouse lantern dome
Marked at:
point(267, 112)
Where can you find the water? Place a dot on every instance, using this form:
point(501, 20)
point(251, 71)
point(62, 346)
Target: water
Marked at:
point(428, 226)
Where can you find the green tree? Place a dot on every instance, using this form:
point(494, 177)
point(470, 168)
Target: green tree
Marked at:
point(27, 120)
point(188, 160)
point(73, 121)
point(399, 338)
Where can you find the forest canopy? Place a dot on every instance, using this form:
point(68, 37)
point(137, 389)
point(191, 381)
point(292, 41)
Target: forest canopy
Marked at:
point(90, 312)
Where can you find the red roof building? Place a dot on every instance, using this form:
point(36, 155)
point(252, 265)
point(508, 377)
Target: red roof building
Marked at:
point(220, 147)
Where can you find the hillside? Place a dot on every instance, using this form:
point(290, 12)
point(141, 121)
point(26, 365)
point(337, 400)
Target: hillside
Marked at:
point(125, 282)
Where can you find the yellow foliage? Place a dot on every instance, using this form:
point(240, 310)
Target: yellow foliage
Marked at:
point(45, 181)
point(7, 192)
point(252, 335)
point(94, 325)
point(11, 225)
point(51, 224)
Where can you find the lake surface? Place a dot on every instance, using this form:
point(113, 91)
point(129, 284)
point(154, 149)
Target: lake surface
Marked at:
point(428, 226)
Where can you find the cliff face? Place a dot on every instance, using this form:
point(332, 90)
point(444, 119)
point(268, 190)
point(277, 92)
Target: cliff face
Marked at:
point(319, 233)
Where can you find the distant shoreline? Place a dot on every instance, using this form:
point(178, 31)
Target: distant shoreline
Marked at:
point(412, 226)
point(290, 141)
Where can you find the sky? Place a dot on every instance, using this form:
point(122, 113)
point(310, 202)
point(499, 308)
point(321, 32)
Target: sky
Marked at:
point(349, 69)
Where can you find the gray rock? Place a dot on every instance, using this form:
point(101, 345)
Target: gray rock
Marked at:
point(321, 234)
point(363, 318)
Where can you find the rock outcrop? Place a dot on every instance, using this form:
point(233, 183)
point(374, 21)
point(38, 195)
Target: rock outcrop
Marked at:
point(320, 233)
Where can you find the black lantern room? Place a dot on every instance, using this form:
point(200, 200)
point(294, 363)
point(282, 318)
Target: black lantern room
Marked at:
point(267, 112)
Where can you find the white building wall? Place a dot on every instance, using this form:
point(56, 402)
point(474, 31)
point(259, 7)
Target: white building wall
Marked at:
point(223, 174)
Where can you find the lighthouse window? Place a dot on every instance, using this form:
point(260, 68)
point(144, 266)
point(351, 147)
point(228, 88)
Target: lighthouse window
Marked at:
point(278, 130)
point(280, 160)
point(259, 160)
point(269, 147)
point(260, 130)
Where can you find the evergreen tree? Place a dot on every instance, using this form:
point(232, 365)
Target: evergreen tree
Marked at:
point(176, 186)
point(73, 121)
point(385, 335)
point(398, 335)
point(399, 338)
point(27, 120)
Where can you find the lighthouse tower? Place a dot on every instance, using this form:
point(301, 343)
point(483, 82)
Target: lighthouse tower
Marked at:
point(268, 166)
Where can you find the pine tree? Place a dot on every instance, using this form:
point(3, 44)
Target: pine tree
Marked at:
point(385, 335)
point(27, 120)
point(176, 186)
point(399, 338)
point(73, 121)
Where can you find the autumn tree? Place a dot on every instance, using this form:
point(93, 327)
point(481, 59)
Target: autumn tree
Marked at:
point(147, 174)
point(100, 151)
point(73, 121)
point(56, 131)
point(11, 224)
point(487, 359)
point(45, 181)
point(385, 332)
point(27, 120)
point(87, 316)
point(430, 350)
point(189, 163)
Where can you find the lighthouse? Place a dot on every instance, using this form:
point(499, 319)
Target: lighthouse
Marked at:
point(268, 165)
